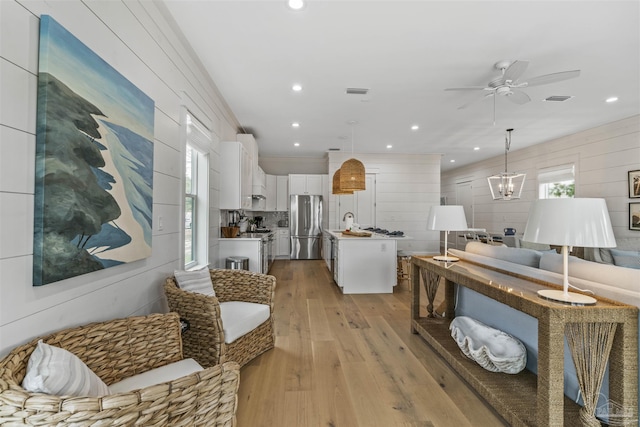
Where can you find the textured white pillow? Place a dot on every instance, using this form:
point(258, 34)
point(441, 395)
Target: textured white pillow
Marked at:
point(195, 281)
point(56, 371)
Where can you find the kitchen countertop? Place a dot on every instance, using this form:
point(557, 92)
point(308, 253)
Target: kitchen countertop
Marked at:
point(250, 236)
point(374, 236)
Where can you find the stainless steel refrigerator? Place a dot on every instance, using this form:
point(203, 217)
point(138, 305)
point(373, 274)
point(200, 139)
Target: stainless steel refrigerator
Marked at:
point(305, 219)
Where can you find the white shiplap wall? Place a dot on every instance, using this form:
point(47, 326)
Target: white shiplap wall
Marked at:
point(407, 185)
point(602, 155)
point(135, 38)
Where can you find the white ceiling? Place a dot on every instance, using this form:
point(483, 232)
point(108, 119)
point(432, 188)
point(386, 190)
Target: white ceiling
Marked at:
point(407, 53)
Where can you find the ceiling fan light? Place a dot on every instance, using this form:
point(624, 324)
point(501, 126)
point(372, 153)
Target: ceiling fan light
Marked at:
point(352, 176)
point(335, 188)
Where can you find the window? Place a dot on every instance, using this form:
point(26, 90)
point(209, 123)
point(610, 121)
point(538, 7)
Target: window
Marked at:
point(196, 193)
point(557, 182)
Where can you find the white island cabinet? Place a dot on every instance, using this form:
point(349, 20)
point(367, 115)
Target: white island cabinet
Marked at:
point(365, 265)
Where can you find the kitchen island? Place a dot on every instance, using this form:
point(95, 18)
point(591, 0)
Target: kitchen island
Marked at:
point(364, 265)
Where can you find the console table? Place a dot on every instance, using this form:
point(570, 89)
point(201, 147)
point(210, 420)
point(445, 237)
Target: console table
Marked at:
point(526, 399)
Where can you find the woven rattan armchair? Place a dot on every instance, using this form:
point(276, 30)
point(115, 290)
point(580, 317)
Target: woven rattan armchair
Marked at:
point(204, 341)
point(116, 350)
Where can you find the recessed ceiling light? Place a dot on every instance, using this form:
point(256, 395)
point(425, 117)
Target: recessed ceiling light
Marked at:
point(452, 161)
point(296, 144)
point(295, 4)
point(389, 146)
point(296, 87)
point(415, 127)
point(612, 99)
point(295, 124)
point(476, 148)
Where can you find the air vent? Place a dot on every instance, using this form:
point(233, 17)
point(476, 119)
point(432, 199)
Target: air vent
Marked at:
point(334, 149)
point(558, 98)
point(357, 91)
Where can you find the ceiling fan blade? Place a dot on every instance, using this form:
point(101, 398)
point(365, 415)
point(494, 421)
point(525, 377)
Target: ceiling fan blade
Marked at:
point(518, 97)
point(462, 107)
point(552, 78)
point(515, 70)
point(467, 88)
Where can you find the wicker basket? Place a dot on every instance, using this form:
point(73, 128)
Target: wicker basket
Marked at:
point(230, 232)
point(115, 350)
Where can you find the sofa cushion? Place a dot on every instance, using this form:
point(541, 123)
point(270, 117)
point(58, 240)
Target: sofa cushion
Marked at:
point(629, 259)
point(160, 375)
point(56, 371)
point(195, 281)
point(617, 277)
point(240, 318)
point(520, 256)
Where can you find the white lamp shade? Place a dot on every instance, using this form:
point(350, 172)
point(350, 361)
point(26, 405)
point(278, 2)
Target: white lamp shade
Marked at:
point(570, 222)
point(447, 218)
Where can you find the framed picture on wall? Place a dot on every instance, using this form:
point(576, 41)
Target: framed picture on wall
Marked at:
point(634, 216)
point(634, 184)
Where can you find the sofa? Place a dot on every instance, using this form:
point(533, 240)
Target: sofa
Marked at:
point(603, 279)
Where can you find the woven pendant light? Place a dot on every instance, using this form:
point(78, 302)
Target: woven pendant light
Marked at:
point(352, 176)
point(336, 185)
point(352, 173)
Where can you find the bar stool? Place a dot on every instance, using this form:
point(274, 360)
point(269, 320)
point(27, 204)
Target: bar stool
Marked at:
point(403, 268)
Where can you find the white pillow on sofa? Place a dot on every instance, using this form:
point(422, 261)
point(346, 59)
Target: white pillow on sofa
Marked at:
point(195, 281)
point(56, 371)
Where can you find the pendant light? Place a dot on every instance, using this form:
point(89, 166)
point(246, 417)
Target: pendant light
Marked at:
point(352, 173)
point(505, 185)
point(336, 185)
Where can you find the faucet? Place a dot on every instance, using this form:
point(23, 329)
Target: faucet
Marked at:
point(347, 215)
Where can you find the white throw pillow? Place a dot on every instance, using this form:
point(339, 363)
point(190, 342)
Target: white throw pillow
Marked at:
point(196, 281)
point(58, 372)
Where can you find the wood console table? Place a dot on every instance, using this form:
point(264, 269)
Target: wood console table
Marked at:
point(525, 399)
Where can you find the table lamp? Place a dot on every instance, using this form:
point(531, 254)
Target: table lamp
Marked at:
point(569, 222)
point(446, 218)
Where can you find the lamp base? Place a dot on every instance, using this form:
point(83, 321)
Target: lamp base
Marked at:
point(446, 258)
point(571, 298)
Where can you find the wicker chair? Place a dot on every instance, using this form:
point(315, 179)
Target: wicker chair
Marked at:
point(115, 350)
point(204, 341)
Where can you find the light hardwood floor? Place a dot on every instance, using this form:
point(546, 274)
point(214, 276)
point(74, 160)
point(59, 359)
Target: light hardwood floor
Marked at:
point(350, 361)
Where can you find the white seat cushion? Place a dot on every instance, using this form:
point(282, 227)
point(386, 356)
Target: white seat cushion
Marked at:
point(160, 375)
point(240, 318)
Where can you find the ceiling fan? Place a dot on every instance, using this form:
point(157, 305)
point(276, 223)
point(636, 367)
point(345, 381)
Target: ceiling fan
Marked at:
point(508, 85)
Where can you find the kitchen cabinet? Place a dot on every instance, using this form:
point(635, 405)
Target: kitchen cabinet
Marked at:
point(272, 193)
point(235, 176)
point(364, 265)
point(250, 248)
point(282, 193)
point(282, 243)
point(305, 184)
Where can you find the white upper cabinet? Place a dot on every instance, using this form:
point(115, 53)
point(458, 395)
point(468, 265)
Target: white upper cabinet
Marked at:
point(258, 175)
point(305, 184)
point(272, 191)
point(235, 176)
point(282, 193)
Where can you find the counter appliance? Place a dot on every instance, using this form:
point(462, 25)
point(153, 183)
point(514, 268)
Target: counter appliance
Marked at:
point(305, 219)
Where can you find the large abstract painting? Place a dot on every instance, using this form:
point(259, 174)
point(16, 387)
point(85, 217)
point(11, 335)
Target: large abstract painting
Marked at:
point(94, 162)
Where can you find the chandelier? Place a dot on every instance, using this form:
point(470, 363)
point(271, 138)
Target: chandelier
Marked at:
point(506, 185)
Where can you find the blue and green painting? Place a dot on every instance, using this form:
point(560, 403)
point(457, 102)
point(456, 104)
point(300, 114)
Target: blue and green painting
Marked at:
point(94, 162)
